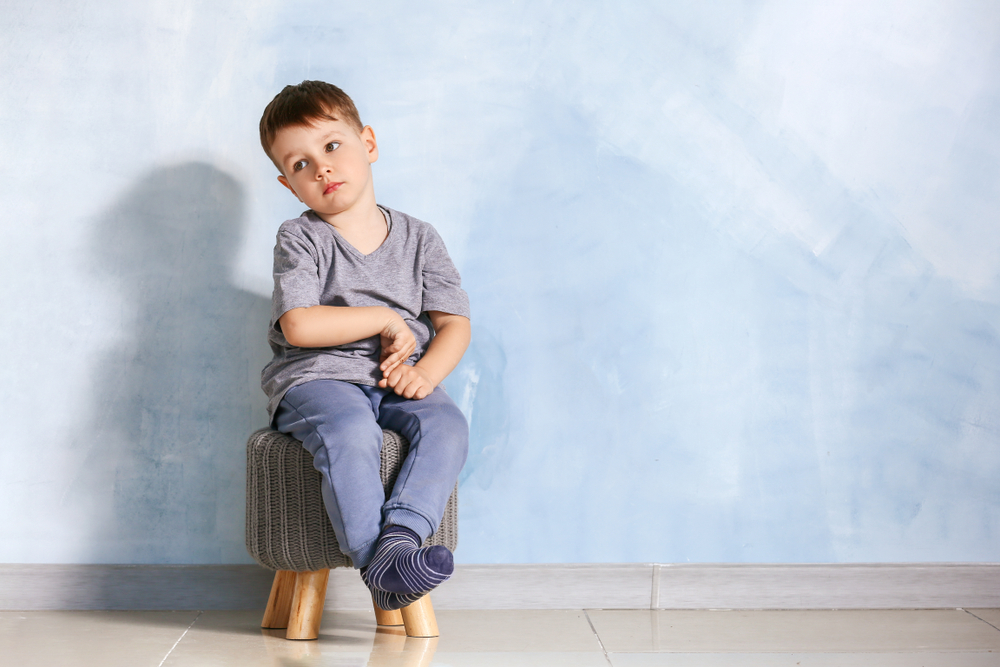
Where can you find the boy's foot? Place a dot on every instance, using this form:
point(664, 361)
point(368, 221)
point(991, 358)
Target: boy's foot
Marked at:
point(400, 566)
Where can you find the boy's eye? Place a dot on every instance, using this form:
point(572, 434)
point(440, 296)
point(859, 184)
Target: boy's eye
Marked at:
point(301, 164)
point(332, 146)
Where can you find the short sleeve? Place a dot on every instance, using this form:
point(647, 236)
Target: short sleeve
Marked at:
point(296, 276)
point(442, 286)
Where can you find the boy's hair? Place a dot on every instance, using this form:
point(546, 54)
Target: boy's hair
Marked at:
point(301, 105)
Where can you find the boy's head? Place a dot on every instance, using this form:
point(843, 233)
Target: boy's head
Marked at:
point(304, 104)
point(314, 137)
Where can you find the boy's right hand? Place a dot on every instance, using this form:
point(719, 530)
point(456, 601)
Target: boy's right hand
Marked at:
point(398, 344)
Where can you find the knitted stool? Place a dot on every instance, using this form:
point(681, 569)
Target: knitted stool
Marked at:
point(288, 530)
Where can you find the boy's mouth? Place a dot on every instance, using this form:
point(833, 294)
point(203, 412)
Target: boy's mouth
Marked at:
point(332, 187)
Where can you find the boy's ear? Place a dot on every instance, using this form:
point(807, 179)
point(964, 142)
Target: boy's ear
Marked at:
point(368, 139)
point(284, 181)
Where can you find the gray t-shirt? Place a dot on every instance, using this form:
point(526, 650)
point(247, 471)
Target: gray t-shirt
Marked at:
point(410, 272)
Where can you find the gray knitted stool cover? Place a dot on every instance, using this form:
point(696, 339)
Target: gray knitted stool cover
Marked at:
point(287, 526)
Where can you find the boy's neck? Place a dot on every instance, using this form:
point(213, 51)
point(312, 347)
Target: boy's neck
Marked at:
point(364, 215)
point(362, 226)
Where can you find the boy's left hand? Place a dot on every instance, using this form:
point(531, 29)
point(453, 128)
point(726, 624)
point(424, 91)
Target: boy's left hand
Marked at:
point(408, 382)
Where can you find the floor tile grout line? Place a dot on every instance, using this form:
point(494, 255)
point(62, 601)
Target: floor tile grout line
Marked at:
point(600, 643)
point(180, 638)
point(980, 618)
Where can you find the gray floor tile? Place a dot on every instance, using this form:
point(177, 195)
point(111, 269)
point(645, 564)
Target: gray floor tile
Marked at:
point(792, 631)
point(512, 659)
point(991, 616)
point(512, 638)
point(515, 630)
point(236, 638)
point(980, 659)
point(89, 638)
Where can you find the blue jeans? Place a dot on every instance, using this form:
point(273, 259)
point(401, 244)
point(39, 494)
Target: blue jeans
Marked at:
point(341, 425)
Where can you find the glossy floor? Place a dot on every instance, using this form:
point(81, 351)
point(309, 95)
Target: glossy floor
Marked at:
point(577, 638)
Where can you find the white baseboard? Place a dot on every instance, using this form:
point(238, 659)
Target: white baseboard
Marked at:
point(838, 586)
point(555, 586)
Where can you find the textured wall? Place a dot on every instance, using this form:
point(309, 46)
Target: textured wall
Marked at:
point(734, 268)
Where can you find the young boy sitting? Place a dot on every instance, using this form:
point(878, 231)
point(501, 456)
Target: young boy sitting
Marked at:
point(368, 317)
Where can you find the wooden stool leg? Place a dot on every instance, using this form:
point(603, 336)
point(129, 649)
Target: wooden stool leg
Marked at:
point(420, 651)
point(279, 604)
point(419, 618)
point(307, 604)
point(383, 617)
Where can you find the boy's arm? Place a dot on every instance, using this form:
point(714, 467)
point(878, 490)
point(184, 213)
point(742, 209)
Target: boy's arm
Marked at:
point(452, 334)
point(326, 326)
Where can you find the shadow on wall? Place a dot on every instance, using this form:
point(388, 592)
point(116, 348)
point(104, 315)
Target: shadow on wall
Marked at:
point(176, 397)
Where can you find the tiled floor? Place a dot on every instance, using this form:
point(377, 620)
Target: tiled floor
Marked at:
point(574, 638)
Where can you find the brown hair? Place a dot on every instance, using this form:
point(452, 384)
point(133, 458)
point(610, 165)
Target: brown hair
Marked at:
point(302, 104)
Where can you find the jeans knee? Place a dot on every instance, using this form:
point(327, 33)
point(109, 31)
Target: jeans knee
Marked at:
point(351, 441)
point(452, 424)
point(453, 416)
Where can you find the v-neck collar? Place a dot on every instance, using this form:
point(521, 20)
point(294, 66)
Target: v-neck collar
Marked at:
point(350, 247)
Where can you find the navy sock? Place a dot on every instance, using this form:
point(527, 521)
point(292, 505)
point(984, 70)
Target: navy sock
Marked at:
point(402, 567)
point(392, 601)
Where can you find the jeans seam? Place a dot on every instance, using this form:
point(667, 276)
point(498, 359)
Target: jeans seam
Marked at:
point(415, 454)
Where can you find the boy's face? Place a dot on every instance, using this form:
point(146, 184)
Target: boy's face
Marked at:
point(327, 165)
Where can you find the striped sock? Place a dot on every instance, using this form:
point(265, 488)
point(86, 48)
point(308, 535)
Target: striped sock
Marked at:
point(400, 566)
point(392, 601)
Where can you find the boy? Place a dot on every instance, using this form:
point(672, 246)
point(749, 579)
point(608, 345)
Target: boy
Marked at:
point(368, 317)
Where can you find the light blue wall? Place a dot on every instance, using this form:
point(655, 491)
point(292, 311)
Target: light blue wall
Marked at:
point(733, 266)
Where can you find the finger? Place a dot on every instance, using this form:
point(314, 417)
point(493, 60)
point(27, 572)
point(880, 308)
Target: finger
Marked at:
point(396, 345)
point(419, 388)
point(403, 383)
point(405, 343)
point(397, 375)
point(411, 389)
point(394, 359)
point(402, 350)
